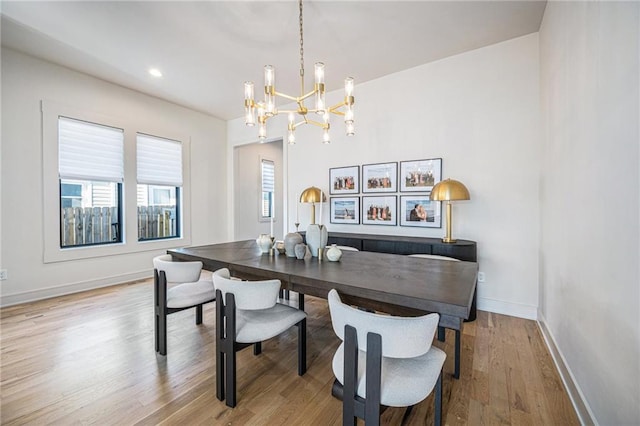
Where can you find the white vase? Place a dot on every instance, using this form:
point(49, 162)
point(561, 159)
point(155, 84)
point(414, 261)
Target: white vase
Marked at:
point(264, 242)
point(333, 253)
point(290, 241)
point(317, 237)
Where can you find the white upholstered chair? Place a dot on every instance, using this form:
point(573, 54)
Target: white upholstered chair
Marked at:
point(247, 313)
point(434, 256)
point(384, 361)
point(344, 248)
point(187, 290)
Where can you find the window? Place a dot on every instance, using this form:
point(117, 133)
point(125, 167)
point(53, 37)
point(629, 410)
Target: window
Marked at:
point(159, 169)
point(268, 185)
point(90, 172)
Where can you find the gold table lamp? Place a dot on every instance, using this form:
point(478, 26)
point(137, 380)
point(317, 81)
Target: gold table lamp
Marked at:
point(449, 190)
point(312, 195)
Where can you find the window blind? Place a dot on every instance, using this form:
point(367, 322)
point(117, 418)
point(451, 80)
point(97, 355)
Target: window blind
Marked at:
point(268, 176)
point(88, 151)
point(268, 186)
point(159, 161)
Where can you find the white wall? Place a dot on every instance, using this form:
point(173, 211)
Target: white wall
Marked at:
point(589, 277)
point(25, 82)
point(479, 112)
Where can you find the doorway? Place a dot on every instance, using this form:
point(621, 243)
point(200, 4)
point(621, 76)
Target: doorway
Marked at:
point(249, 222)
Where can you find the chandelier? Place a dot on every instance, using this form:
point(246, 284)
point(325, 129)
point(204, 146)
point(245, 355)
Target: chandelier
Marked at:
point(268, 109)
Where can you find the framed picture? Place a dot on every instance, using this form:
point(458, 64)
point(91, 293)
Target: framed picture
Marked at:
point(418, 210)
point(420, 175)
point(380, 210)
point(382, 177)
point(344, 180)
point(345, 210)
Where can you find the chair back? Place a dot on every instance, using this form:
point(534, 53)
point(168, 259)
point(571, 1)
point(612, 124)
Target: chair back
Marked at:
point(249, 295)
point(402, 337)
point(434, 256)
point(345, 248)
point(178, 272)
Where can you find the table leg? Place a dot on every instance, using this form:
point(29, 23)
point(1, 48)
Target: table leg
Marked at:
point(456, 373)
point(301, 301)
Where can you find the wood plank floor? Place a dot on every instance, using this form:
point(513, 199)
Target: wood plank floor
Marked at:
point(89, 358)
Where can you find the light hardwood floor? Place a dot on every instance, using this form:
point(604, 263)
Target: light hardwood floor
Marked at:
point(89, 359)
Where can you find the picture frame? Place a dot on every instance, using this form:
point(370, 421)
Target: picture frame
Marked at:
point(380, 210)
point(345, 210)
point(344, 180)
point(380, 177)
point(413, 207)
point(420, 175)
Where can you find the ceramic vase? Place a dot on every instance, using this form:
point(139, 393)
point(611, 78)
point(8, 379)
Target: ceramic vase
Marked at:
point(333, 254)
point(290, 241)
point(301, 251)
point(316, 238)
point(264, 242)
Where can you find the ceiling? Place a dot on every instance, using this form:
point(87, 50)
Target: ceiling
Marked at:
point(207, 49)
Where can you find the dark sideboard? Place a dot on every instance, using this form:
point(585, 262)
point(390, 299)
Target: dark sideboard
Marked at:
point(397, 244)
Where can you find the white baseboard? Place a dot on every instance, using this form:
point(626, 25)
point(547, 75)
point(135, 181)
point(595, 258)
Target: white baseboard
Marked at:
point(575, 393)
point(507, 308)
point(62, 290)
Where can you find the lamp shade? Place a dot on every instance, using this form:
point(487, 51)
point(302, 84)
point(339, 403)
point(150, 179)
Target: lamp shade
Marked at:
point(312, 195)
point(448, 190)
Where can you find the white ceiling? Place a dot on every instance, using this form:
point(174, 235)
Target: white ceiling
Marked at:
point(207, 49)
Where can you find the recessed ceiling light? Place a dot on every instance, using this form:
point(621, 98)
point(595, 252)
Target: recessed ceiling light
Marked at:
point(155, 72)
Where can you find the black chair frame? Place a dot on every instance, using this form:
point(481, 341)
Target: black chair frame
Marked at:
point(226, 348)
point(369, 409)
point(162, 311)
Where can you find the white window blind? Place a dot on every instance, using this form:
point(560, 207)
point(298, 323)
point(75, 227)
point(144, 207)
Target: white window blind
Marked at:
point(268, 185)
point(88, 151)
point(159, 161)
point(268, 176)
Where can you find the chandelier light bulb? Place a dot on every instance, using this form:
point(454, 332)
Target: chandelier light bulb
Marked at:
point(249, 104)
point(348, 87)
point(325, 135)
point(348, 115)
point(350, 129)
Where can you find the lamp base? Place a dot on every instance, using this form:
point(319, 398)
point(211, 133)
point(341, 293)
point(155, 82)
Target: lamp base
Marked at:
point(448, 240)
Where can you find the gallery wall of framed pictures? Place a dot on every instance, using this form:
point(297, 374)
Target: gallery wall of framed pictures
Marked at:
point(393, 193)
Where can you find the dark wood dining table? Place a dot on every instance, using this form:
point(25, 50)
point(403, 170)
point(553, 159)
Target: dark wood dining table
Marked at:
point(391, 283)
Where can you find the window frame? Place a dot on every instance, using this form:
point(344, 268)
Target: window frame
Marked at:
point(261, 216)
point(52, 252)
point(168, 184)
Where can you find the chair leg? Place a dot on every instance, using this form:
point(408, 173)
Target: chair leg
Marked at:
point(438, 401)
point(231, 378)
point(161, 315)
point(302, 347)
point(257, 348)
point(350, 379)
point(220, 343)
point(374, 366)
point(199, 314)
point(441, 333)
point(407, 413)
point(230, 346)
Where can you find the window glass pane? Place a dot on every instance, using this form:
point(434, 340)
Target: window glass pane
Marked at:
point(89, 213)
point(158, 212)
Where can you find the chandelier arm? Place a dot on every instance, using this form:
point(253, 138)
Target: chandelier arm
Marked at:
point(317, 123)
point(283, 95)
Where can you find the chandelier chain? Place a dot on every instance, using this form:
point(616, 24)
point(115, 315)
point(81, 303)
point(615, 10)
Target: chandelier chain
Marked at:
point(301, 44)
